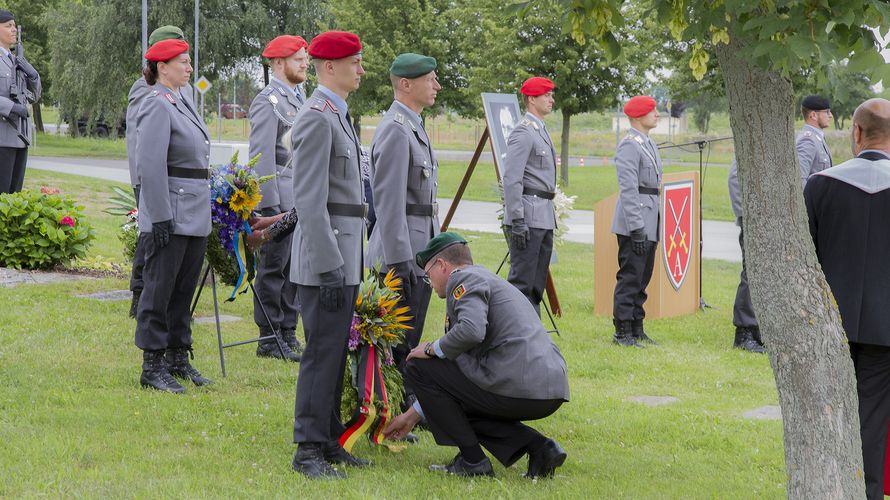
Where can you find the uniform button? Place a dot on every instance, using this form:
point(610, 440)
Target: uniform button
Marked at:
point(424, 162)
point(206, 142)
point(336, 232)
point(181, 190)
point(207, 156)
point(436, 183)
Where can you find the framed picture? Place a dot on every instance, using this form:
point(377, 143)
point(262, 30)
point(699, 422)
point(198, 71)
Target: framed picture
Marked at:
point(501, 115)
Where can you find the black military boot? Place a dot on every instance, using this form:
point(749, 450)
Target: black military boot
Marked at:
point(309, 461)
point(290, 338)
point(624, 334)
point(155, 374)
point(180, 366)
point(755, 330)
point(134, 303)
point(335, 454)
point(269, 348)
point(744, 339)
point(639, 334)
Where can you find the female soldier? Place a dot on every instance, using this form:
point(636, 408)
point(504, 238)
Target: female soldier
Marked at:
point(173, 152)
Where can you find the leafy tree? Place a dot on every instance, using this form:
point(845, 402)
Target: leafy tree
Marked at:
point(759, 46)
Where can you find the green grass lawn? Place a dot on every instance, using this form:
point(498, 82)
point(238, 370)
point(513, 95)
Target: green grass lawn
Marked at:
point(75, 423)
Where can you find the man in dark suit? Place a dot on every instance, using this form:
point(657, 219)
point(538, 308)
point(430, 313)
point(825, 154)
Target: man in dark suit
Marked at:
point(848, 208)
point(494, 368)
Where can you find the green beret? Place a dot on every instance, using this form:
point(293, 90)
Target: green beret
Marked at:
point(165, 33)
point(409, 65)
point(436, 245)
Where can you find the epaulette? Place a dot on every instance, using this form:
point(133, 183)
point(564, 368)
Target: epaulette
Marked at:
point(526, 122)
point(807, 133)
point(272, 98)
point(399, 118)
point(318, 104)
point(153, 93)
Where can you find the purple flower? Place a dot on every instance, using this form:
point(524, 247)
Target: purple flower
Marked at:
point(387, 358)
point(354, 335)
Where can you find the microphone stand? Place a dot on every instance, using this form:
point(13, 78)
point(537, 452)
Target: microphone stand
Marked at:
point(701, 187)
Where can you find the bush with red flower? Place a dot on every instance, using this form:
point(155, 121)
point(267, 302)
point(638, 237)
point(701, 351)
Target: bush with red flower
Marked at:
point(41, 229)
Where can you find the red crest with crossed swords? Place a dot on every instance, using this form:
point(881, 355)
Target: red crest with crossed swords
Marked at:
point(676, 236)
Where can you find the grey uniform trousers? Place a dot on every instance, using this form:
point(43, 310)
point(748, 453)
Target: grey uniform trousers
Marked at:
point(163, 319)
point(528, 267)
point(634, 274)
point(274, 289)
point(743, 310)
point(320, 383)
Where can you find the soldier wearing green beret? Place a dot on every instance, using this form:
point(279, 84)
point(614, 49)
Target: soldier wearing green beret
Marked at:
point(138, 91)
point(404, 182)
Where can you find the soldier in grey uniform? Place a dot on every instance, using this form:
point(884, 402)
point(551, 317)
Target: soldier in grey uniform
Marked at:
point(747, 329)
point(173, 154)
point(812, 150)
point(494, 368)
point(138, 91)
point(272, 115)
point(529, 187)
point(15, 127)
point(327, 249)
point(636, 220)
point(405, 179)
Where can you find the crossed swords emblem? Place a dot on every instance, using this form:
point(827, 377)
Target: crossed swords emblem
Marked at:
point(677, 228)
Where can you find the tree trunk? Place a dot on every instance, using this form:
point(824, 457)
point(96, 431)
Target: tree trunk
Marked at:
point(798, 318)
point(564, 148)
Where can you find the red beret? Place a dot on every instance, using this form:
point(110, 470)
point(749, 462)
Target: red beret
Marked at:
point(335, 45)
point(536, 85)
point(284, 46)
point(166, 50)
point(639, 105)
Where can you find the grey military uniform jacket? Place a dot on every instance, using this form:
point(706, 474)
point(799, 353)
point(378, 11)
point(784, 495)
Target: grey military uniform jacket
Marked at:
point(497, 340)
point(530, 163)
point(637, 164)
point(9, 137)
point(272, 114)
point(170, 134)
point(326, 170)
point(403, 171)
point(735, 191)
point(138, 91)
point(812, 152)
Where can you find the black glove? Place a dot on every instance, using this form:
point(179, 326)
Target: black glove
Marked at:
point(26, 68)
point(331, 293)
point(160, 232)
point(638, 237)
point(269, 212)
point(519, 234)
point(18, 110)
point(405, 271)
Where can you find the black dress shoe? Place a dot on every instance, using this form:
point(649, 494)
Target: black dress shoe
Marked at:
point(335, 454)
point(309, 461)
point(460, 467)
point(544, 461)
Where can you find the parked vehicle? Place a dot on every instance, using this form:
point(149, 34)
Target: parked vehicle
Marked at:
point(101, 128)
point(230, 111)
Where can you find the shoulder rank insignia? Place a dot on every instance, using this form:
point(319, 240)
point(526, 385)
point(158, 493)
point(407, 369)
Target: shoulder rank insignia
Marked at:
point(525, 121)
point(273, 99)
point(807, 133)
point(459, 292)
point(317, 104)
point(170, 98)
point(153, 93)
point(399, 118)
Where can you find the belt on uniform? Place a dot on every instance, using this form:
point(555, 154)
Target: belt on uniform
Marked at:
point(547, 195)
point(645, 190)
point(348, 209)
point(431, 209)
point(188, 173)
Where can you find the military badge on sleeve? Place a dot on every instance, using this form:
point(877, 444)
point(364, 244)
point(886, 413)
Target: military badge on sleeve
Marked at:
point(459, 292)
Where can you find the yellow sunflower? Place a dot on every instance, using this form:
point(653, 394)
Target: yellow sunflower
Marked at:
point(238, 201)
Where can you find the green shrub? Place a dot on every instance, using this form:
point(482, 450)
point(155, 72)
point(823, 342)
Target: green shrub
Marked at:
point(124, 203)
point(41, 230)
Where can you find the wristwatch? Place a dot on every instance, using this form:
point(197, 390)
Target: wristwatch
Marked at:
point(429, 351)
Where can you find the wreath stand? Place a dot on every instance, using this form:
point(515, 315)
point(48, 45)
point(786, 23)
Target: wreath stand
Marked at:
point(208, 269)
point(552, 298)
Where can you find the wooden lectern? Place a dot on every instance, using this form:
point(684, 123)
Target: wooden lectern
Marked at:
point(675, 288)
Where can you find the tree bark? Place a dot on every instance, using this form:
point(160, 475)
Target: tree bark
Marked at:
point(564, 148)
point(798, 317)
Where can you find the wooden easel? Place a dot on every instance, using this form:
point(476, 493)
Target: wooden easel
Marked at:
point(552, 299)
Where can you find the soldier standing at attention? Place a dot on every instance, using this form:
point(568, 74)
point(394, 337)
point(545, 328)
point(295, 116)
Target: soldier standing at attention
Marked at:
point(529, 187)
point(638, 166)
point(327, 249)
point(404, 175)
point(14, 123)
point(173, 153)
point(812, 150)
point(272, 115)
point(747, 329)
point(138, 91)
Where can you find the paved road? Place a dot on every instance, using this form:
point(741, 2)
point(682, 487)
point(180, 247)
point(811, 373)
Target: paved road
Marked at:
point(720, 238)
